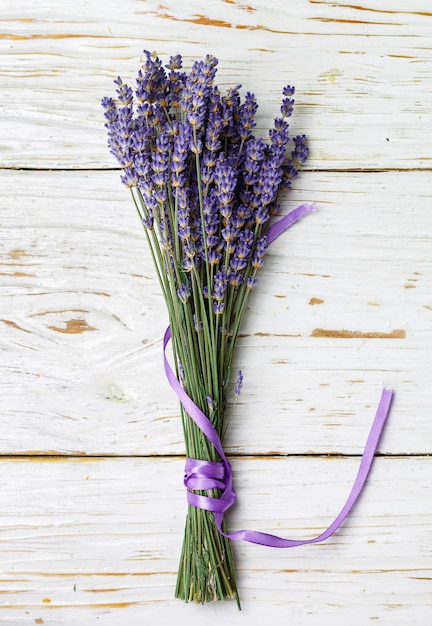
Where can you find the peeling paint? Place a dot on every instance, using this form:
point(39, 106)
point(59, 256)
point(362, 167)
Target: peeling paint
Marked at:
point(73, 327)
point(17, 254)
point(59, 311)
point(18, 274)
point(15, 325)
point(357, 7)
point(346, 21)
point(354, 334)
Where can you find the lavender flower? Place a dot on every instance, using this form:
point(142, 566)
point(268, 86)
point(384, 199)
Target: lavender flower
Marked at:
point(301, 151)
point(241, 256)
point(288, 102)
point(152, 83)
point(246, 122)
point(219, 285)
point(239, 383)
point(225, 182)
point(259, 252)
point(125, 93)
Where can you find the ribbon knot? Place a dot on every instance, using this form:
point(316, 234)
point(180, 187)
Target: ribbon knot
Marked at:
point(206, 475)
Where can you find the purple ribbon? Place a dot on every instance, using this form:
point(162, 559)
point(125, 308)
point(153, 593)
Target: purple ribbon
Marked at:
point(205, 475)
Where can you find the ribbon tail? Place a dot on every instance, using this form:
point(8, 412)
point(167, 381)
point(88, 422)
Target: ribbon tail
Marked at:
point(219, 506)
point(227, 498)
point(274, 541)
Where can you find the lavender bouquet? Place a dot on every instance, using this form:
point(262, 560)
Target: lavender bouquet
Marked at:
point(205, 189)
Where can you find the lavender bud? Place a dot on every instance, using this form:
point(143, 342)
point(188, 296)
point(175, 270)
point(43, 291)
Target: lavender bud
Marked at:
point(181, 371)
point(188, 264)
point(251, 281)
point(214, 256)
point(288, 91)
point(129, 177)
point(218, 308)
point(197, 147)
point(210, 402)
point(198, 324)
point(183, 293)
point(235, 279)
point(148, 222)
point(175, 62)
point(262, 215)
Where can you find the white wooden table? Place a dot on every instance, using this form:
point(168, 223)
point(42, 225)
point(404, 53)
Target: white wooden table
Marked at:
point(92, 503)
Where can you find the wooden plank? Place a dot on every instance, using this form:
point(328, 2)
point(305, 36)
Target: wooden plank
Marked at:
point(342, 308)
point(363, 73)
point(87, 540)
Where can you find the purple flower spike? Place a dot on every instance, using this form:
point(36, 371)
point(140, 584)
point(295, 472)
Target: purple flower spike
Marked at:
point(259, 252)
point(125, 93)
point(247, 112)
point(239, 383)
point(220, 283)
point(301, 150)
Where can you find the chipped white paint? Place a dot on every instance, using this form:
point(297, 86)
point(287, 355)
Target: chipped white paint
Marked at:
point(344, 306)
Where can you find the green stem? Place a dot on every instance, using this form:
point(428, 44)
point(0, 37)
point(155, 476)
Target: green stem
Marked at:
point(215, 394)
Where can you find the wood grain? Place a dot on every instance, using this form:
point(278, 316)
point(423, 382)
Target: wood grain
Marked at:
point(362, 73)
point(94, 540)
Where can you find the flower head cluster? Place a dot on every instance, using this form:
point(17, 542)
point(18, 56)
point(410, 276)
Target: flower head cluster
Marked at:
point(204, 184)
point(203, 176)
